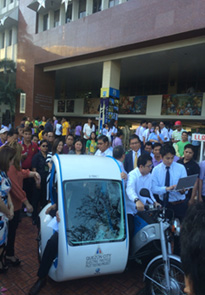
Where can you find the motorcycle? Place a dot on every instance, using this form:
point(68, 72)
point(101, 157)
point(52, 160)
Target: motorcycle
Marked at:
point(153, 235)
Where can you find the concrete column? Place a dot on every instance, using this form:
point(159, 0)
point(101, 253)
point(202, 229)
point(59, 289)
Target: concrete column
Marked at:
point(89, 7)
point(111, 74)
point(105, 4)
point(173, 79)
point(62, 14)
point(75, 10)
point(50, 19)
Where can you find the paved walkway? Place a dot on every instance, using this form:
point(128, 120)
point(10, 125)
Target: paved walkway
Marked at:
point(20, 279)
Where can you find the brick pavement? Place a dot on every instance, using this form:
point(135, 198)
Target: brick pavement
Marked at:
point(19, 280)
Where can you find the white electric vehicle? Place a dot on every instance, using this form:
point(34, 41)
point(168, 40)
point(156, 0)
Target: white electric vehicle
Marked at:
point(93, 237)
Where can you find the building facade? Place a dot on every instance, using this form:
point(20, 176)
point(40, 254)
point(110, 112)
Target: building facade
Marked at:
point(151, 51)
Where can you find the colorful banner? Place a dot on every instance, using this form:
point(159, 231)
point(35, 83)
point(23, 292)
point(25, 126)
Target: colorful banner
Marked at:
point(182, 104)
point(133, 105)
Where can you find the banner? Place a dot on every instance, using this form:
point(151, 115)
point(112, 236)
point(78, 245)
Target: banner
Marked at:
point(182, 104)
point(133, 105)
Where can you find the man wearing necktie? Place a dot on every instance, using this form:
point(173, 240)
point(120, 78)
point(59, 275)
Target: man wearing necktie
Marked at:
point(165, 177)
point(132, 156)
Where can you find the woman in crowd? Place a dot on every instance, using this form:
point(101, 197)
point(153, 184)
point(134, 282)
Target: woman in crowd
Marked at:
point(156, 136)
point(6, 207)
point(58, 129)
point(18, 196)
point(78, 130)
point(39, 164)
point(87, 129)
point(78, 147)
point(91, 145)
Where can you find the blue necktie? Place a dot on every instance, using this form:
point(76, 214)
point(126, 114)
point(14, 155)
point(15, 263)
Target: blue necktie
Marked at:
point(167, 183)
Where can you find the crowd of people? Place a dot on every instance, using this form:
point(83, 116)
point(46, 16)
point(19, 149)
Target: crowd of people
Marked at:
point(156, 159)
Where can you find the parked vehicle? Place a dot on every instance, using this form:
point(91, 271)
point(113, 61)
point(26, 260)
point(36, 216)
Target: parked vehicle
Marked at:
point(93, 231)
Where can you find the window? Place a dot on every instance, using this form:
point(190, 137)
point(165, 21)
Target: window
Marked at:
point(113, 3)
point(11, 1)
point(68, 16)
point(56, 18)
point(10, 38)
point(94, 211)
point(82, 8)
point(22, 108)
point(45, 22)
point(97, 5)
point(4, 3)
point(2, 40)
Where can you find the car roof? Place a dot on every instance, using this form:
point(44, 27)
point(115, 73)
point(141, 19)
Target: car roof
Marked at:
point(86, 167)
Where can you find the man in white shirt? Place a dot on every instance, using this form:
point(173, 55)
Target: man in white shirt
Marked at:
point(177, 134)
point(147, 132)
point(164, 131)
point(141, 129)
point(138, 178)
point(172, 199)
point(103, 147)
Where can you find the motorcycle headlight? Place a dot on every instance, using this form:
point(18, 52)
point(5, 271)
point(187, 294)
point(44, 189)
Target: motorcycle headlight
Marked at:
point(176, 227)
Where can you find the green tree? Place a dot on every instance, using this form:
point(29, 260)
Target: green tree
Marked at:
point(8, 90)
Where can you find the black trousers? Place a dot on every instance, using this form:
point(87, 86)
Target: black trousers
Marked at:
point(39, 197)
point(13, 225)
point(49, 254)
point(28, 184)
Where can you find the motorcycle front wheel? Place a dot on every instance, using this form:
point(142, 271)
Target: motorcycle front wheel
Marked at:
point(156, 284)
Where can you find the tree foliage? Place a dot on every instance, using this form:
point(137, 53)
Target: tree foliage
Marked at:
point(8, 90)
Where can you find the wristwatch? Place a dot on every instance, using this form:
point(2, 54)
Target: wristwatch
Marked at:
point(136, 200)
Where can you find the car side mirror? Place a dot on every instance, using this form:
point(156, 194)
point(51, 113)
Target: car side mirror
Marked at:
point(144, 192)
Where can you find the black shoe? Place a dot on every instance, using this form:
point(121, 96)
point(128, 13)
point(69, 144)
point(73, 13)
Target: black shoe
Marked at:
point(15, 262)
point(37, 286)
point(34, 222)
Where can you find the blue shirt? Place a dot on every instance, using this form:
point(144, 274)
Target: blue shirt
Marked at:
point(155, 137)
point(176, 171)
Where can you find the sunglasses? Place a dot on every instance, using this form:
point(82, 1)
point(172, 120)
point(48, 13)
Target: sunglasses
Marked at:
point(44, 146)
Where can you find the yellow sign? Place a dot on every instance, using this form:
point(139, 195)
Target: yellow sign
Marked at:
point(104, 92)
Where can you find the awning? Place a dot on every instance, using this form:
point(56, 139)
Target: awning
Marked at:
point(43, 6)
point(9, 19)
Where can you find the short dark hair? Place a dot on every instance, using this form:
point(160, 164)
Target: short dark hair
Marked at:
point(185, 132)
point(44, 132)
point(34, 135)
point(11, 132)
point(70, 135)
point(119, 133)
point(192, 239)
point(142, 122)
point(27, 129)
point(148, 143)
point(7, 153)
point(43, 141)
point(118, 152)
point(189, 146)
point(134, 136)
point(156, 144)
point(143, 159)
point(166, 149)
point(104, 138)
